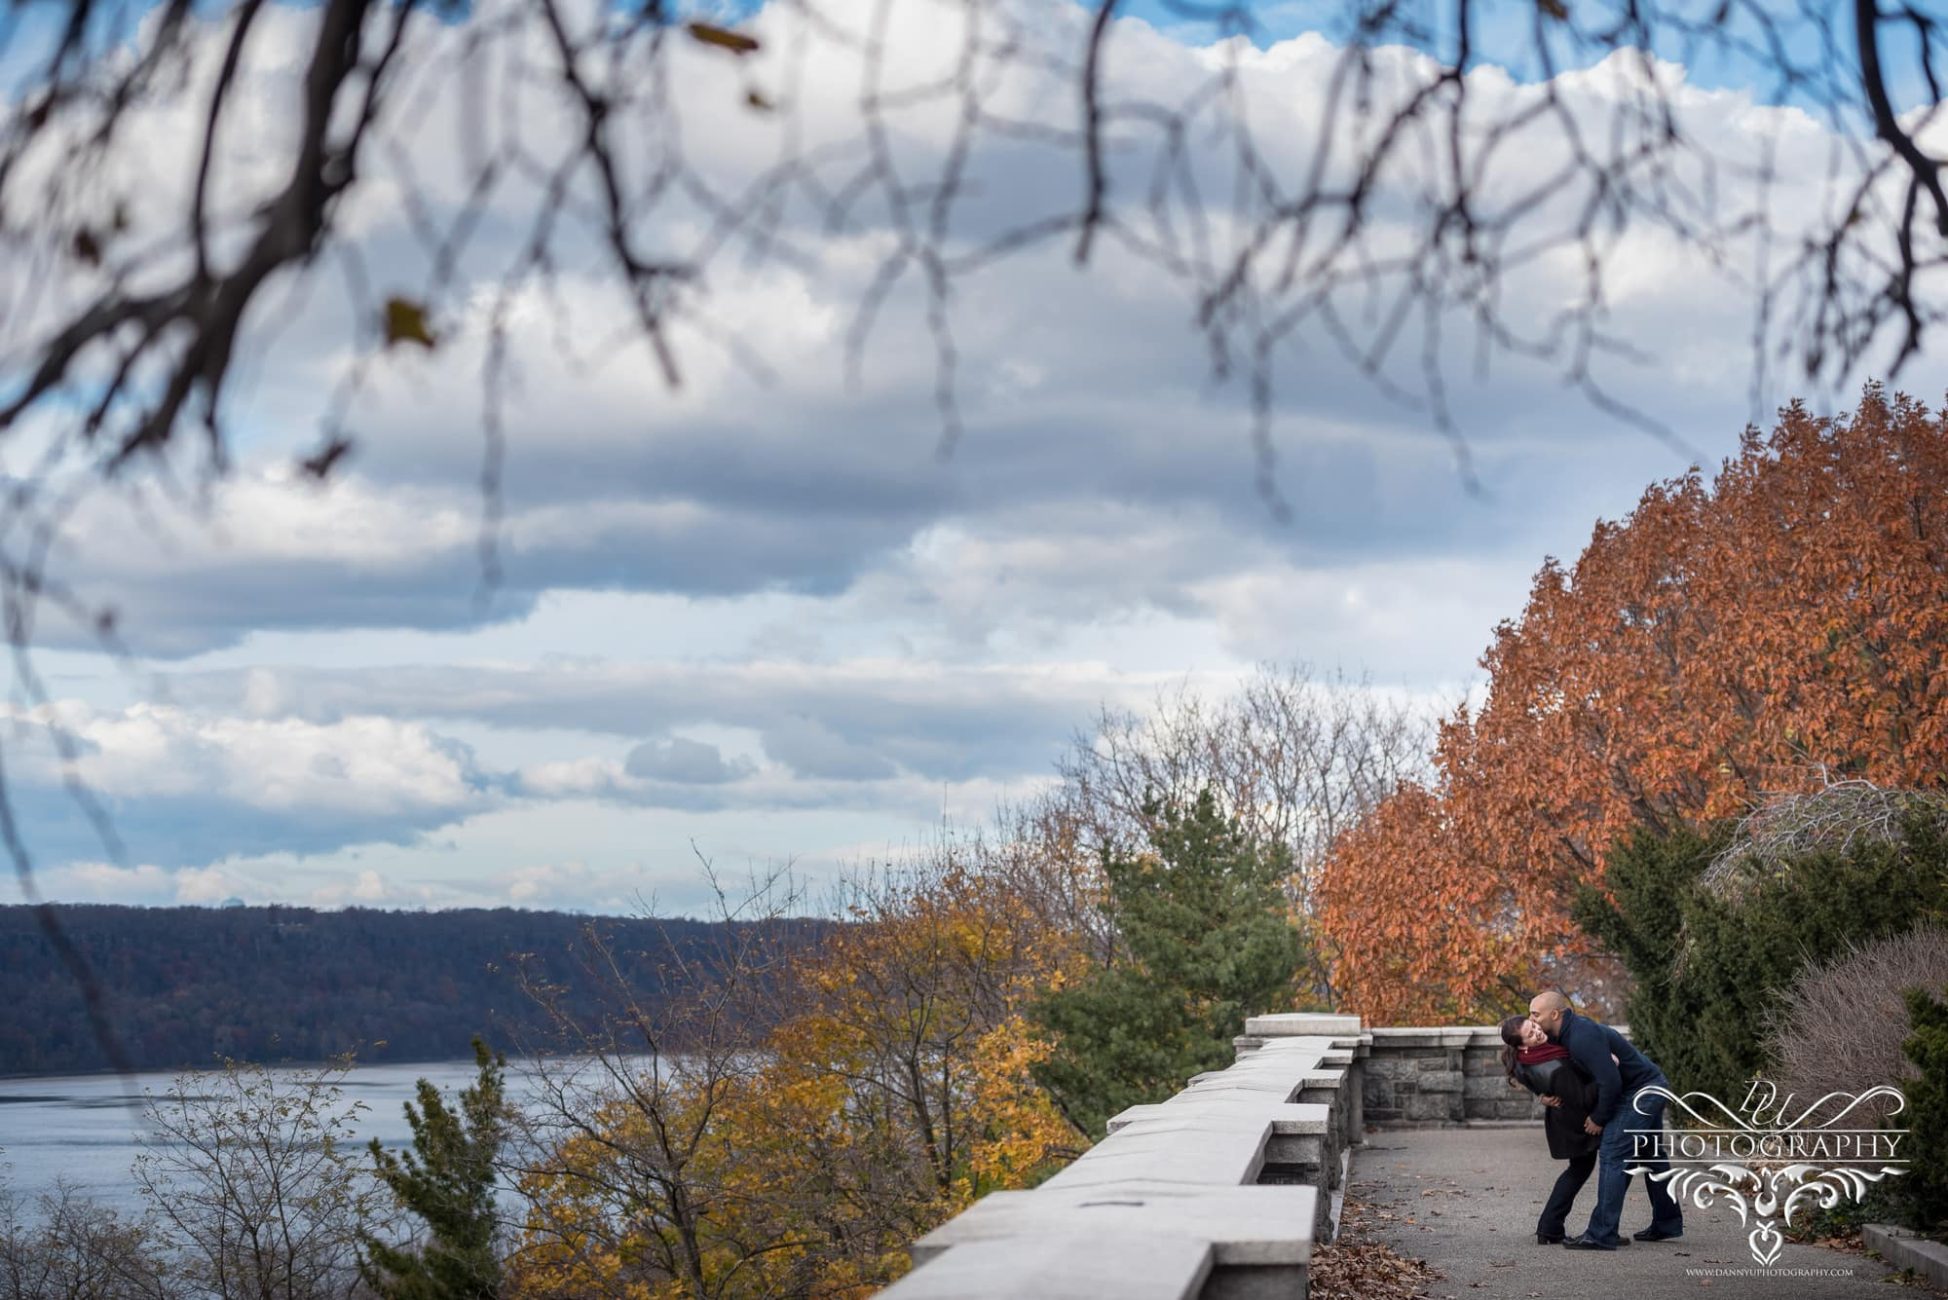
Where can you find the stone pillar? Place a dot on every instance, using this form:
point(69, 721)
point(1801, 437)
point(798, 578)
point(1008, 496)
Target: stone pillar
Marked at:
point(1346, 1033)
point(1356, 1100)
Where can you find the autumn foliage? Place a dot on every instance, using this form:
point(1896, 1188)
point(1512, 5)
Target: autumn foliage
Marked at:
point(894, 1089)
point(1778, 627)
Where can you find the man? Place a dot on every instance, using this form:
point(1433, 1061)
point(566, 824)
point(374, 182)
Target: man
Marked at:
point(1623, 1114)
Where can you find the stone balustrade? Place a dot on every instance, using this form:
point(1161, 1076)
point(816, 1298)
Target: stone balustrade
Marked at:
point(1220, 1192)
point(1430, 1076)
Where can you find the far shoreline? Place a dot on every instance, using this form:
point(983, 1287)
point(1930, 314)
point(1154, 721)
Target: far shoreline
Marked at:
point(217, 1064)
point(514, 1063)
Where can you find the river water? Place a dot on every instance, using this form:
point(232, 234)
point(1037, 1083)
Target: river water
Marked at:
point(87, 1128)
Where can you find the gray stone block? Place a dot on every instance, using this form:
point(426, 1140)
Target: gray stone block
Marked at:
point(1264, 1226)
point(1440, 1081)
point(1433, 1106)
point(1458, 1036)
point(1905, 1249)
point(1281, 1283)
point(1307, 1151)
point(1303, 1023)
point(1191, 1114)
point(1288, 1176)
point(1143, 1266)
point(1210, 1163)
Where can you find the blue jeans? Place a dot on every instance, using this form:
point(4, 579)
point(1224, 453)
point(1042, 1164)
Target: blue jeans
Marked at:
point(1619, 1151)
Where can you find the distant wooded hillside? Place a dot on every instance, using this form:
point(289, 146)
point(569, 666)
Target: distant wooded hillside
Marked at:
point(186, 985)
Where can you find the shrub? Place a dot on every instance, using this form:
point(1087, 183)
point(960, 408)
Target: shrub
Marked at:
point(1842, 1025)
point(67, 1245)
point(248, 1183)
point(1708, 969)
point(1923, 1190)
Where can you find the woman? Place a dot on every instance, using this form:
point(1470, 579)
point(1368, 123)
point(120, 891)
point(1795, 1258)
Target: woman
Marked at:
point(1544, 1068)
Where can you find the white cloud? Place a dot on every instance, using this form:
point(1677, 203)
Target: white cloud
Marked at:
point(182, 787)
point(365, 766)
point(103, 882)
point(145, 883)
point(1401, 611)
point(204, 885)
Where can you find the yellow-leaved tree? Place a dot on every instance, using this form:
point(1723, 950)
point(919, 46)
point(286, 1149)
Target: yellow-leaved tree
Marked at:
point(890, 1087)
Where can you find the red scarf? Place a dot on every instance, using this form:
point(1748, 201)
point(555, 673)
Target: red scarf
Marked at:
point(1546, 1052)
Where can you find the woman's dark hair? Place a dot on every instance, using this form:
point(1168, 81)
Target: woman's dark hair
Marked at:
point(1511, 1043)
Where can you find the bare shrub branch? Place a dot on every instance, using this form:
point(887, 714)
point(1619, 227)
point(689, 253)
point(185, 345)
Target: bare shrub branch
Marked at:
point(1835, 819)
point(1843, 1021)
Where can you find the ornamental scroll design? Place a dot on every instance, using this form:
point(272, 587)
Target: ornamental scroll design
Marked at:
point(1767, 1196)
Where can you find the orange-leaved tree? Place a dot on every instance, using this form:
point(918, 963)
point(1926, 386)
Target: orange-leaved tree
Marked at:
point(1781, 626)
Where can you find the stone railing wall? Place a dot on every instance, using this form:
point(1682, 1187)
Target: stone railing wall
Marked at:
point(1441, 1076)
point(1220, 1192)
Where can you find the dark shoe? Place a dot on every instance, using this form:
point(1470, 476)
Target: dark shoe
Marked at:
point(1587, 1242)
point(1657, 1234)
point(1549, 1238)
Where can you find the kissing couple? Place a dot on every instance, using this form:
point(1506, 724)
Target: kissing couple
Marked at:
point(1591, 1079)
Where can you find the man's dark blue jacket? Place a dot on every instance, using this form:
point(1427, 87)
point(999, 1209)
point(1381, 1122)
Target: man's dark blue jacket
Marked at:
point(1591, 1046)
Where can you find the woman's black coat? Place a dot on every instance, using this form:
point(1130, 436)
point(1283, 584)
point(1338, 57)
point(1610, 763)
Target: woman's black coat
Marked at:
point(1563, 1124)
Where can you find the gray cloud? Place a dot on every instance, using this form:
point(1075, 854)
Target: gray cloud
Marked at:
point(684, 762)
point(1094, 434)
point(813, 750)
point(941, 721)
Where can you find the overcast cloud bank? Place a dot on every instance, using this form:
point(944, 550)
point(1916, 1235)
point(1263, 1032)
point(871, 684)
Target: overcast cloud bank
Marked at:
point(818, 634)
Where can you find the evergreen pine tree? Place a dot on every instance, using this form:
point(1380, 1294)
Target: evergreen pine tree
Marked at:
point(1706, 970)
point(1202, 919)
point(446, 1179)
point(1924, 1189)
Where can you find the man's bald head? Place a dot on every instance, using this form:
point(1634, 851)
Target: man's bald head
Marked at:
point(1546, 1009)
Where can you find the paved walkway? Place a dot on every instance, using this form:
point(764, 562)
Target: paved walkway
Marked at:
point(1466, 1200)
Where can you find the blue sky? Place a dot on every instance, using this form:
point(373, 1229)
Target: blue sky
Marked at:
point(768, 623)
